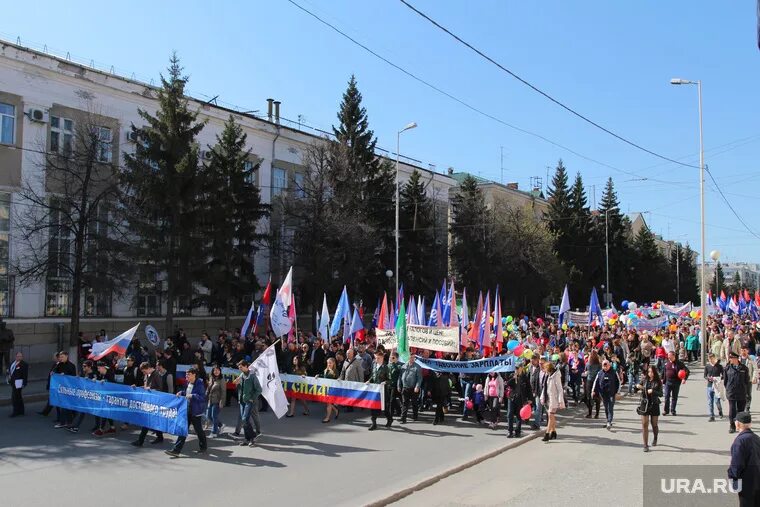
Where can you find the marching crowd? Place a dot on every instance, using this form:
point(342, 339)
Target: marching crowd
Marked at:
point(594, 366)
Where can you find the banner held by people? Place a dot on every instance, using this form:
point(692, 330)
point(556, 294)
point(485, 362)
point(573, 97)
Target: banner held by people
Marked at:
point(142, 407)
point(498, 364)
point(337, 392)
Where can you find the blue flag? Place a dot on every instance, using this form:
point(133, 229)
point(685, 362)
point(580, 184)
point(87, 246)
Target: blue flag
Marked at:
point(433, 320)
point(593, 308)
point(343, 311)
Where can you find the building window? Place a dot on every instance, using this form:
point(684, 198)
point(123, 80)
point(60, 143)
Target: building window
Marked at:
point(61, 135)
point(97, 304)
point(148, 305)
point(299, 190)
point(250, 170)
point(58, 297)
point(279, 181)
point(5, 224)
point(7, 123)
point(105, 145)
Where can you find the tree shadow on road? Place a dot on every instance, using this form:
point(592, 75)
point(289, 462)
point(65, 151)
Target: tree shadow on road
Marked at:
point(276, 444)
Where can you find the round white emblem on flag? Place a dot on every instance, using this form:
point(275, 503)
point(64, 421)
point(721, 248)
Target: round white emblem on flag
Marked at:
point(152, 335)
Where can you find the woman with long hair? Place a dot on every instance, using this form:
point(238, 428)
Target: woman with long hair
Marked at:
point(331, 372)
point(593, 366)
point(299, 368)
point(552, 395)
point(494, 390)
point(215, 394)
point(649, 408)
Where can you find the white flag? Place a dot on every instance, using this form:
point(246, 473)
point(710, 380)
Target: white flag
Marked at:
point(279, 318)
point(324, 321)
point(271, 386)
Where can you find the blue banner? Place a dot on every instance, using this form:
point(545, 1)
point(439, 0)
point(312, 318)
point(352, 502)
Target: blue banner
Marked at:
point(498, 364)
point(134, 405)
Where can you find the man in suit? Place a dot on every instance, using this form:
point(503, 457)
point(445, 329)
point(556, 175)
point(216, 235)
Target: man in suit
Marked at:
point(18, 375)
point(152, 382)
point(318, 359)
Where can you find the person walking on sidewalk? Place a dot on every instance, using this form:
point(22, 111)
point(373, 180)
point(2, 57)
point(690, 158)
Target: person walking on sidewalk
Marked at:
point(735, 381)
point(18, 376)
point(649, 406)
point(593, 367)
point(745, 462)
point(380, 375)
point(606, 386)
point(553, 396)
point(195, 392)
point(713, 376)
point(672, 377)
point(750, 364)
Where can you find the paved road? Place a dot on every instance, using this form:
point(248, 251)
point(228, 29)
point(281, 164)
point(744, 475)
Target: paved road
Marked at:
point(298, 461)
point(587, 463)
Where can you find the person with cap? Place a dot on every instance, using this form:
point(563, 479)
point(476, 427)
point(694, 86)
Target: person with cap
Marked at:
point(672, 382)
point(745, 462)
point(735, 381)
point(606, 386)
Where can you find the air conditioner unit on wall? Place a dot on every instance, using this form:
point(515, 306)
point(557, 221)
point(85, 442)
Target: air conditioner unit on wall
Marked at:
point(132, 136)
point(38, 115)
point(206, 154)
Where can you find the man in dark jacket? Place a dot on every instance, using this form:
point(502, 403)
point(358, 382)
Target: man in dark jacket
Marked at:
point(318, 359)
point(6, 344)
point(745, 461)
point(380, 375)
point(672, 382)
point(606, 386)
point(152, 381)
point(735, 381)
point(195, 392)
point(18, 375)
point(439, 392)
point(65, 367)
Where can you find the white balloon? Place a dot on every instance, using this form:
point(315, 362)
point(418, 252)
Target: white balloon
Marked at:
point(632, 305)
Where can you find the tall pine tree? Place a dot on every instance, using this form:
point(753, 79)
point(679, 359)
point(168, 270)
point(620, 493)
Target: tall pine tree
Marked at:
point(584, 257)
point(232, 210)
point(470, 228)
point(418, 266)
point(364, 188)
point(650, 271)
point(718, 280)
point(617, 227)
point(161, 197)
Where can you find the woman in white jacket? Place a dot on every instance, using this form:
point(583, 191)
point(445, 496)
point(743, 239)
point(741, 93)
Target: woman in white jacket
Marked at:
point(552, 396)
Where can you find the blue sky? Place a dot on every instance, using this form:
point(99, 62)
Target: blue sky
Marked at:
point(610, 60)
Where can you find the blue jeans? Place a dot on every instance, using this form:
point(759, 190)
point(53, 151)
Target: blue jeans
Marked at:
point(212, 414)
point(632, 381)
point(713, 400)
point(466, 389)
point(609, 406)
point(248, 411)
point(538, 411)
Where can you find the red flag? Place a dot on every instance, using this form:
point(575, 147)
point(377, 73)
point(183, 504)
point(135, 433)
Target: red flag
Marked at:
point(382, 319)
point(497, 323)
point(360, 335)
point(263, 312)
point(746, 295)
point(292, 318)
point(757, 298)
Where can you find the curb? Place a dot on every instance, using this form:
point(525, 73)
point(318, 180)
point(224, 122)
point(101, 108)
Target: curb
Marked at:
point(426, 483)
point(32, 398)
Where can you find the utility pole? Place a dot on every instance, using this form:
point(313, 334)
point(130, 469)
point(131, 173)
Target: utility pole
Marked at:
point(502, 166)
point(607, 253)
point(678, 272)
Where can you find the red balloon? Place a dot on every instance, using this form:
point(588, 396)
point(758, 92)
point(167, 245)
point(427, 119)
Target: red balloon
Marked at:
point(526, 412)
point(469, 404)
point(682, 374)
point(517, 351)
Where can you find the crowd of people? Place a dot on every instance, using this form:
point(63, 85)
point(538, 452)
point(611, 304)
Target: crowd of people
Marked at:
point(593, 366)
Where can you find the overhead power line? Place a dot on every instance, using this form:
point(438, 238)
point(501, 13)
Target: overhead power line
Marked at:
point(470, 106)
point(541, 92)
point(728, 203)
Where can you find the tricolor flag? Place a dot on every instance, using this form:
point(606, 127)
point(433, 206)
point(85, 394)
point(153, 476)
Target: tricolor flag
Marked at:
point(357, 325)
point(266, 300)
point(247, 323)
point(484, 336)
point(723, 302)
point(280, 313)
point(733, 305)
point(118, 345)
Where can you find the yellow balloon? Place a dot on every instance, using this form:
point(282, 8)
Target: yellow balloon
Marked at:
point(527, 353)
point(564, 327)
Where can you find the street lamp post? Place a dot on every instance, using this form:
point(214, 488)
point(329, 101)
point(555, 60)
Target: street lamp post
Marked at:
point(715, 255)
point(607, 255)
point(703, 320)
point(398, 145)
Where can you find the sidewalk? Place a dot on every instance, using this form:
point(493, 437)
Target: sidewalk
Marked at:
point(583, 451)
